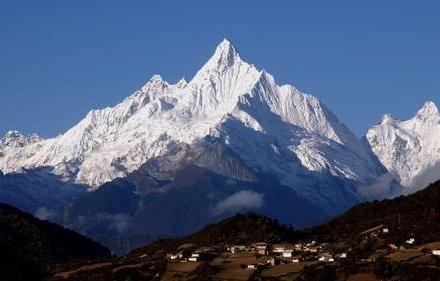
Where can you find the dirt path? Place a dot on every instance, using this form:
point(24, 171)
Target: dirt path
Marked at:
point(67, 274)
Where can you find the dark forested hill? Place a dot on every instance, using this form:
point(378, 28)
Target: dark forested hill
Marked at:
point(415, 215)
point(238, 229)
point(29, 246)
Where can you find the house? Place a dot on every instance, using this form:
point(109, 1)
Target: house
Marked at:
point(343, 255)
point(260, 248)
point(385, 230)
point(176, 256)
point(295, 260)
point(436, 252)
point(287, 253)
point(237, 248)
point(194, 257)
point(279, 248)
point(410, 241)
point(326, 257)
point(251, 266)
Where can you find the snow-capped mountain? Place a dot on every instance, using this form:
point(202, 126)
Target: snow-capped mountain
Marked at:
point(274, 129)
point(410, 150)
point(14, 139)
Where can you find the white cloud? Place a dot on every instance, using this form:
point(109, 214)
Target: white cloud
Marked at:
point(427, 176)
point(44, 213)
point(238, 201)
point(379, 189)
point(118, 222)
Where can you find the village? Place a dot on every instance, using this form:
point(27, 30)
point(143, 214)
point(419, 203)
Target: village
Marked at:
point(266, 254)
point(240, 261)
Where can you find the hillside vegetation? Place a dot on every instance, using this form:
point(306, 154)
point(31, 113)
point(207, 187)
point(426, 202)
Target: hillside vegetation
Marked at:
point(415, 215)
point(29, 247)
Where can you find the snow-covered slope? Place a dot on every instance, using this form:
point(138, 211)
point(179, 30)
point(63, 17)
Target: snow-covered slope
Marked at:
point(274, 129)
point(13, 140)
point(410, 149)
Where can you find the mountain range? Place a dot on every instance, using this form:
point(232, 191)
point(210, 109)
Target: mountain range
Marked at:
point(171, 158)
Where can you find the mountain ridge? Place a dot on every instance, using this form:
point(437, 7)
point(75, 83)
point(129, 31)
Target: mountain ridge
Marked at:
point(409, 149)
point(273, 129)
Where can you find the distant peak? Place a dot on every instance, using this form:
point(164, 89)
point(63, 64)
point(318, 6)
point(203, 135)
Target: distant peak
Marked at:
point(387, 119)
point(15, 138)
point(182, 83)
point(13, 134)
point(266, 78)
point(429, 111)
point(156, 78)
point(155, 82)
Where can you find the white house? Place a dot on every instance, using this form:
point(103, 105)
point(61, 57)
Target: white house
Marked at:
point(436, 252)
point(192, 259)
point(280, 248)
point(287, 254)
point(385, 230)
point(410, 241)
point(260, 248)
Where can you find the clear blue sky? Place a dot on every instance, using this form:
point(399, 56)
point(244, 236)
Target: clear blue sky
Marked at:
point(61, 58)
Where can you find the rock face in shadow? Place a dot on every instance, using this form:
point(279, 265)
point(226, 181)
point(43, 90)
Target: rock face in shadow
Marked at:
point(183, 191)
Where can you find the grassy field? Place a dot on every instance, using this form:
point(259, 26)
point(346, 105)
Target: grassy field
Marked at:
point(179, 271)
point(283, 270)
point(363, 277)
point(232, 269)
point(405, 255)
point(430, 246)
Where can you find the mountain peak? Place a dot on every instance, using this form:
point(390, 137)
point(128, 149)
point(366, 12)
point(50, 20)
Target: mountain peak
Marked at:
point(225, 44)
point(225, 54)
point(156, 78)
point(387, 119)
point(429, 111)
point(17, 139)
point(182, 83)
point(13, 134)
point(155, 82)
